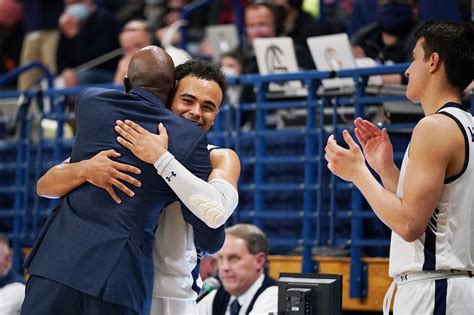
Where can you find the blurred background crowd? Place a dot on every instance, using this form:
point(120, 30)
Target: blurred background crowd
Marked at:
point(91, 41)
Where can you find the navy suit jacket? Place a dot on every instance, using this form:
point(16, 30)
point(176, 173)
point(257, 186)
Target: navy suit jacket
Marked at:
point(96, 246)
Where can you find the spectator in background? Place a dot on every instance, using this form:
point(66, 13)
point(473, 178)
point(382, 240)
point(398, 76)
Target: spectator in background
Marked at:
point(41, 38)
point(261, 21)
point(363, 13)
point(11, 35)
point(231, 65)
point(172, 14)
point(390, 39)
point(124, 10)
point(12, 285)
point(208, 267)
point(88, 32)
point(223, 12)
point(246, 288)
point(299, 25)
point(134, 36)
point(195, 25)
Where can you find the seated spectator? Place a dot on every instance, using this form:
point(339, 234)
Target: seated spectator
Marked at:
point(195, 25)
point(246, 288)
point(390, 39)
point(173, 14)
point(208, 267)
point(134, 36)
point(299, 25)
point(12, 285)
point(88, 32)
point(11, 36)
point(125, 10)
point(231, 64)
point(363, 13)
point(41, 38)
point(260, 21)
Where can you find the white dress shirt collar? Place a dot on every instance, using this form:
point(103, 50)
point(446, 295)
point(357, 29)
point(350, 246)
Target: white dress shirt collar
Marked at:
point(246, 298)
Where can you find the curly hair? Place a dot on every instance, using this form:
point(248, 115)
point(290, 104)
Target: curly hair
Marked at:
point(203, 70)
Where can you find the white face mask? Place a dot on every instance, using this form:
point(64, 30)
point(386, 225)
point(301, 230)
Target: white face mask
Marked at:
point(78, 10)
point(229, 72)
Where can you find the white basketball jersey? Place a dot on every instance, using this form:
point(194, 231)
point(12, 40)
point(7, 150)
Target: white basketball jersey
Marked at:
point(175, 255)
point(448, 241)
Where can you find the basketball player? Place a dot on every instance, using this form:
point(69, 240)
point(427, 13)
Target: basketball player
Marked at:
point(428, 204)
point(198, 97)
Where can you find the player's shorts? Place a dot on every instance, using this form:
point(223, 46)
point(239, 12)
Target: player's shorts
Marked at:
point(444, 295)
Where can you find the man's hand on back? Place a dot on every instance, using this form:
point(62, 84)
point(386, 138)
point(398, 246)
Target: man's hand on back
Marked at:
point(103, 172)
point(145, 145)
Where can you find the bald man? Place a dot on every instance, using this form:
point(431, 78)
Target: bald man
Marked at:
point(94, 256)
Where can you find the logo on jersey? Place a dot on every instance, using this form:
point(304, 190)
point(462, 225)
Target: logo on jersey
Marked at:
point(168, 178)
point(472, 133)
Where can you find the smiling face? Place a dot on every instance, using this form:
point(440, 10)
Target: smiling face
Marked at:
point(238, 268)
point(197, 100)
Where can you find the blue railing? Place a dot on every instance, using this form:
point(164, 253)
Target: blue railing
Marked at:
point(285, 186)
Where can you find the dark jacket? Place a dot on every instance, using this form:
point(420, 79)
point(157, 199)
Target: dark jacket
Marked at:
point(89, 242)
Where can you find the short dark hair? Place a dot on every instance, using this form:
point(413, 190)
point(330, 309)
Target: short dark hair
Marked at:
point(203, 70)
point(454, 43)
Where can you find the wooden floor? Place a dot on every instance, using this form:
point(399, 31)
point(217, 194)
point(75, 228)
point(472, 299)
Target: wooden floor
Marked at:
point(378, 279)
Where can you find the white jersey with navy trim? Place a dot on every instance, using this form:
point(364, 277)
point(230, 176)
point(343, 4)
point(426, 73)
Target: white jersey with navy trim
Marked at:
point(175, 256)
point(448, 242)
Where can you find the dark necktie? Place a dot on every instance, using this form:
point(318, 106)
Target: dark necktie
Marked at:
point(235, 307)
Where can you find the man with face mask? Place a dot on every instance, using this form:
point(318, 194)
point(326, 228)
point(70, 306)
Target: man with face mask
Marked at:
point(388, 40)
point(298, 25)
point(81, 24)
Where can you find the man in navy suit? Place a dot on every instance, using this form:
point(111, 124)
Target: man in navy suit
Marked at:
point(94, 256)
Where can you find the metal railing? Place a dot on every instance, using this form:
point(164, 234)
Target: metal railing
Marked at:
point(317, 208)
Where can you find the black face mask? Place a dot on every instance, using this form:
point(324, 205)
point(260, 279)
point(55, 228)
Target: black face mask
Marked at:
point(395, 19)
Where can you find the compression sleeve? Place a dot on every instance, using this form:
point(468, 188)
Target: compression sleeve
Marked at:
point(213, 202)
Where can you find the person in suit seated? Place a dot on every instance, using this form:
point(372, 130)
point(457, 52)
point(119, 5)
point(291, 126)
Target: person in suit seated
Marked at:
point(246, 288)
point(94, 256)
point(12, 285)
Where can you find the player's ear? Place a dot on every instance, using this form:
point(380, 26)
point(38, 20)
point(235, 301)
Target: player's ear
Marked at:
point(434, 61)
point(127, 84)
point(172, 93)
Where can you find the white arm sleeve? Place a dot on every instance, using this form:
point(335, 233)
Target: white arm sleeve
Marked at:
point(213, 202)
